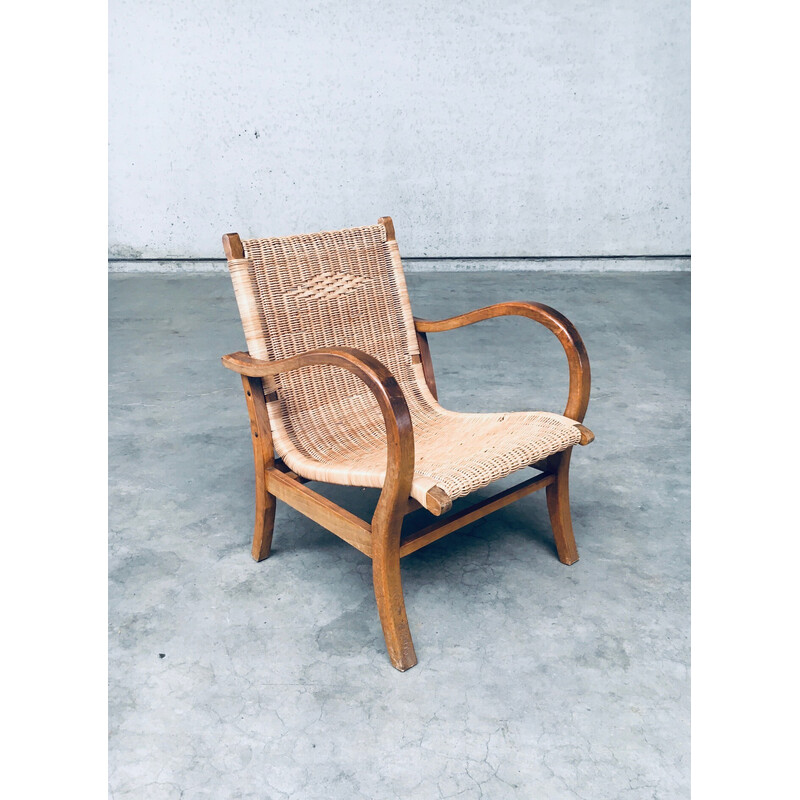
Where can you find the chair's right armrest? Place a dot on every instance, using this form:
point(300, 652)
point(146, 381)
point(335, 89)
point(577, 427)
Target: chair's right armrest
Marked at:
point(379, 380)
point(245, 364)
point(364, 366)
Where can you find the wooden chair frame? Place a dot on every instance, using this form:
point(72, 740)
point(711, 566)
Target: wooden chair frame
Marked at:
point(382, 540)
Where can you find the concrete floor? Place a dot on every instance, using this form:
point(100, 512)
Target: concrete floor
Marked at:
point(231, 679)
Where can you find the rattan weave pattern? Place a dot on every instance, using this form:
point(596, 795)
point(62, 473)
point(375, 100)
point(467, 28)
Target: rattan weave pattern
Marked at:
point(347, 289)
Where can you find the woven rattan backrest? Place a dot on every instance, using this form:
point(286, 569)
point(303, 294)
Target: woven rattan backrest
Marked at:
point(333, 289)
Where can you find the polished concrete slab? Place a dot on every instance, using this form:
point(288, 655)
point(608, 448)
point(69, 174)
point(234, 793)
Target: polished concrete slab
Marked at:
point(535, 680)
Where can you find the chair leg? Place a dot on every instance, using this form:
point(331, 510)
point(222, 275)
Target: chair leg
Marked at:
point(265, 519)
point(263, 459)
point(558, 506)
point(391, 604)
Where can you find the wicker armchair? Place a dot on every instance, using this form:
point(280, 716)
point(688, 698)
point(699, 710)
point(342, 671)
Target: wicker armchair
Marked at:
point(340, 388)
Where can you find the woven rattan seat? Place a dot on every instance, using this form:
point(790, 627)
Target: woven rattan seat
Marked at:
point(341, 289)
point(340, 389)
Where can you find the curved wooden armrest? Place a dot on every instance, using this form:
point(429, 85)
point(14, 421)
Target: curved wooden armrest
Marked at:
point(578, 360)
point(382, 384)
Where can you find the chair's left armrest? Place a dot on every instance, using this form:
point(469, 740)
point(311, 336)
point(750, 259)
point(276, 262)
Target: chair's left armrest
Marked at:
point(577, 358)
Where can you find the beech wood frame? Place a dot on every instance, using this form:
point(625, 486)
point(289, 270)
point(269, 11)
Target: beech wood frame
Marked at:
point(382, 540)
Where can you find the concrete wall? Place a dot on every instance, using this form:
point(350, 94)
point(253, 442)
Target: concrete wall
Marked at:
point(549, 128)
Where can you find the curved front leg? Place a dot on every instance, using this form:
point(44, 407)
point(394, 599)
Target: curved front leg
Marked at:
point(558, 508)
point(387, 522)
point(388, 518)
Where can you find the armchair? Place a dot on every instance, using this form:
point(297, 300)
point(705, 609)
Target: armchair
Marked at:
point(340, 388)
